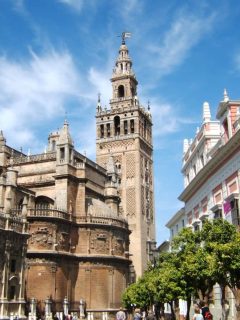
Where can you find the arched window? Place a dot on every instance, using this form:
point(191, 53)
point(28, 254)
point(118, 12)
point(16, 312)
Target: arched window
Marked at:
point(13, 288)
point(53, 145)
point(43, 203)
point(117, 126)
point(121, 91)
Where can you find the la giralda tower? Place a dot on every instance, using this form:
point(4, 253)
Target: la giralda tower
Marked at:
point(124, 138)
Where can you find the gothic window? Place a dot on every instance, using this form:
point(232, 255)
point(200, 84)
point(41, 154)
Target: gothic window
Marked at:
point(144, 128)
point(12, 288)
point(53, 145)
point(125, 127)
point(108, 130)
point(117, 126)
point(12, 293)
point(19, 205)
point(101, 130)
point(62, 153)
point(132, 126)
point(13, 265)
point(121, 91)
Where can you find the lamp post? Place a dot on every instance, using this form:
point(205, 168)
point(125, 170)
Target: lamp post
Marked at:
point(33, 309)
point(48, 314)
point(65, 306)
point(82, 309)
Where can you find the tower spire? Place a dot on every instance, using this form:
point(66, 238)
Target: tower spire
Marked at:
point(206, 112)
point(99, 107)
point(225, 95)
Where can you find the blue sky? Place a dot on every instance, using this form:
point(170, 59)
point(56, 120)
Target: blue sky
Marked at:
point(56, 55)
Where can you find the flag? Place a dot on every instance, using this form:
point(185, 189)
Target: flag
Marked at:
point(227, 207)
point(127, 34)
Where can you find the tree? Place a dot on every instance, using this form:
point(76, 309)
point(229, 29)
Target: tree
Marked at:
point(139, 294)
point(222, 241)
point(194, 264)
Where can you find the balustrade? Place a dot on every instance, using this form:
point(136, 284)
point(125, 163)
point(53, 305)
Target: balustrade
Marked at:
point(47, 212)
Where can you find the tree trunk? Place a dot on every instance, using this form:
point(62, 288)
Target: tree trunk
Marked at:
point(236, 293)
point(173, 312)
point(223, 302)
point(189, 301)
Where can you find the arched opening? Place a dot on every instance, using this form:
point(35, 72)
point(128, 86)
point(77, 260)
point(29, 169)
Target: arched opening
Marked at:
point(117, 126)
point(44, 203)
point(53, 145)
point(13, 288)
point(121, 91)
point(20, 205)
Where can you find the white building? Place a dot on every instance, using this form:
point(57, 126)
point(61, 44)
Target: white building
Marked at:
point(211, 170)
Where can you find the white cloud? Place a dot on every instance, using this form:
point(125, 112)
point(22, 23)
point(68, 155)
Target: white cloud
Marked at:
point(75, 4)
point(184, 33)
point(100, 81)
point(166, 119)
point(35, 90)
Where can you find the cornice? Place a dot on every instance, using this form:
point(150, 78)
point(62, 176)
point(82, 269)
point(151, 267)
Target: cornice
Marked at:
point(224, 153)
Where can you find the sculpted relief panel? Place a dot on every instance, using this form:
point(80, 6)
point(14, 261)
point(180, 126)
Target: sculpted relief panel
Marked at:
point(99, 242)
point(63, 238)
point(42, 236)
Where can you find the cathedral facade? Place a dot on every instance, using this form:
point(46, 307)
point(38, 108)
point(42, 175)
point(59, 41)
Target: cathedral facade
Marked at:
point(81, 230)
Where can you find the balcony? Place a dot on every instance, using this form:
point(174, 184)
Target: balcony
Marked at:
point(13, 223)
point(50, 213)
point(103, 220)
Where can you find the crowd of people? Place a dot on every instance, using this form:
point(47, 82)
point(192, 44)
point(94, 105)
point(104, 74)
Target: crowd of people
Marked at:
point(201, 312)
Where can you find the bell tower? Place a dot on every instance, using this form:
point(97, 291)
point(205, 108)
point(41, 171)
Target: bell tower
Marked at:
point(124, 132)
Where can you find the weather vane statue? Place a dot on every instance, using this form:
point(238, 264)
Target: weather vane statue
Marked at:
point(125, 35)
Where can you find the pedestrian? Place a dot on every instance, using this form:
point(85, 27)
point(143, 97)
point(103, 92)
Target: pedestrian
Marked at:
point(197, 315)
point(137, 315)
point(182, 309)
point(120, 315)
point(205, 311)
point(55, 317)
point(151, 316)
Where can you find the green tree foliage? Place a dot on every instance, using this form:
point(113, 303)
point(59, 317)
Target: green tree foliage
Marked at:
point(197, 262)
point(222, 241)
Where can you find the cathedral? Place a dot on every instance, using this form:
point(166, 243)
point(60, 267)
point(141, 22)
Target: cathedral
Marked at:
point(72, 229)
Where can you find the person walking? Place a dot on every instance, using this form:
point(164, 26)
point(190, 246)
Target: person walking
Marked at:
point(197, 315)
point(120, 315)
point(137, 315)
point(151, 316)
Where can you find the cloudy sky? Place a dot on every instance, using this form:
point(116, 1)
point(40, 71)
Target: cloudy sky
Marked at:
point(56, 55)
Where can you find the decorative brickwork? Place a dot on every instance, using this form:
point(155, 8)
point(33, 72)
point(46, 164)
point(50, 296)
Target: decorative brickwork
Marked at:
point(130, 165)
point(131, 202)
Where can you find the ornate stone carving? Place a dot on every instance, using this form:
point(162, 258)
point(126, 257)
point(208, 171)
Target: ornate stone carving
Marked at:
point(42, 237)
point(100, 243)
point(118, 246)
point(63, 238)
